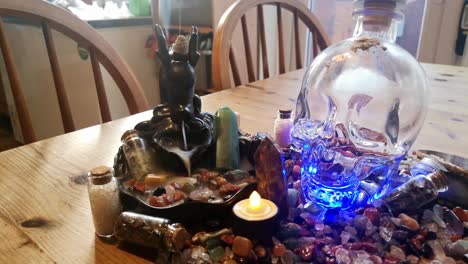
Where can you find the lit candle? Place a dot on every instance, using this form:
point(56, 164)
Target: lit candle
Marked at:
point(255, 208)
point(255, 218)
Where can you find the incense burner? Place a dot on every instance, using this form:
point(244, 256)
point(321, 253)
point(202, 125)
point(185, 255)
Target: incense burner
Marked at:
point(178, 128)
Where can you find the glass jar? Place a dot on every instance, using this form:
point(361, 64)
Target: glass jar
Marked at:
point(150, 231)
point(282, 128)
point(361, 106)
point(139, 154)
point(104, 200)
point(415, 193)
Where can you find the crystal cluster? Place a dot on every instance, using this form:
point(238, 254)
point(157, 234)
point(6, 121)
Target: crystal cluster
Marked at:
point(435, 233)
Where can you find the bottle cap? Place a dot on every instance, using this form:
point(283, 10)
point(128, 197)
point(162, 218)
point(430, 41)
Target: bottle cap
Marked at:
point(433, 163)
point(385, 8)
point(127, 134)
point(383, 2)
point(100, 175)
point(176, 238)
point(285, 113)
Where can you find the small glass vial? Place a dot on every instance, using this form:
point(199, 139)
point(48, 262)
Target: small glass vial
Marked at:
point(104, 200)
point(416, 192)
point(150, 231)
point(282, 129)
point(139, 154)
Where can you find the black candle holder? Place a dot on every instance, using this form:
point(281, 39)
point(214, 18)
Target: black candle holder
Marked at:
point(261, 231)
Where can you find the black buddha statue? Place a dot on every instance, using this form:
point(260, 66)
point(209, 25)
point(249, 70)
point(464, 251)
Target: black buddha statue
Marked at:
point(178, 126)
point(177, 74)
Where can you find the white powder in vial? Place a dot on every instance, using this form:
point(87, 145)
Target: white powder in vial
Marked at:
point(105, 207)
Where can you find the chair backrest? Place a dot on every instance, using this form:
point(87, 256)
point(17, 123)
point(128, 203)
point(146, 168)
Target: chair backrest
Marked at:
point(49, 17)
point(223, 51)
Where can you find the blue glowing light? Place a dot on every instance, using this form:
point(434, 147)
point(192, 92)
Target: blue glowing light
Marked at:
point(322, 185)
point(312, 170)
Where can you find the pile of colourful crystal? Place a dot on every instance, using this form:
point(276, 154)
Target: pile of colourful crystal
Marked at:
point(436, 233)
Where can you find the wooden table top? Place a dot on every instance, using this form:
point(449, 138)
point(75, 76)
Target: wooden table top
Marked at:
point(44, 209)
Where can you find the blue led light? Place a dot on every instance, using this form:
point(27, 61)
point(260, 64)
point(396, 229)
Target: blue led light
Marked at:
point(319, 185)
point(312, 170)
point(332, 183)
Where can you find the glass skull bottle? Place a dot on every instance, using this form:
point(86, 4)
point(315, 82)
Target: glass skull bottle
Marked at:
point(361, 106)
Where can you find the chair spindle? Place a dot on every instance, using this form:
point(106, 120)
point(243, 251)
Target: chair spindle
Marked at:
point(235, 70)
point(64, 105)
point(282, 64)
point(225, 40)
point(248, 53)
point(261, 24)
point(297, 41)
point(18, 96)
point(315, 46)
point(100, 89)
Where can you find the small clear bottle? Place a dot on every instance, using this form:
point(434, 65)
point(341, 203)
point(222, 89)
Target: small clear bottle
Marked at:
point(150, 231)
point(282, 128)
point(415, 193)
point(139, 154)
point(104, 200)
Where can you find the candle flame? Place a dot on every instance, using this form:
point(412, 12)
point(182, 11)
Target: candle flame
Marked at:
point(255, 200)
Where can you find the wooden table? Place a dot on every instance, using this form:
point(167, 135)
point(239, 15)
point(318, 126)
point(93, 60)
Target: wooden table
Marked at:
point(44, 210)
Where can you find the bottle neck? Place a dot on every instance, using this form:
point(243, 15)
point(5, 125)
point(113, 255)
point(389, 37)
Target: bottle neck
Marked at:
point(440, 180)
point(376, 26)
point(284, 114)
point(101, 175)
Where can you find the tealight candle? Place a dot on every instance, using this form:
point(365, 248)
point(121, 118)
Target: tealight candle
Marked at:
point(255, 217)
point(255, 208)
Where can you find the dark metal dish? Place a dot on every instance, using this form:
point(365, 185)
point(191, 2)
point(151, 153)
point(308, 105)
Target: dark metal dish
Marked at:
point(189, 212)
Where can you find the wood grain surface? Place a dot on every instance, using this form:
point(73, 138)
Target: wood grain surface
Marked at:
point(45, 215)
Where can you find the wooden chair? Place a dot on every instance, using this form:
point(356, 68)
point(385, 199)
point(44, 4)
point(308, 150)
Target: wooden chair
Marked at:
point(49, 17)
point(223, 51)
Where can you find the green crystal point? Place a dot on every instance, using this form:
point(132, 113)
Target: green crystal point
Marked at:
point(227, 139)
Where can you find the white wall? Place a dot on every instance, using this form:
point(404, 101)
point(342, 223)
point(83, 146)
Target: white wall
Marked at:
point(439, 31)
